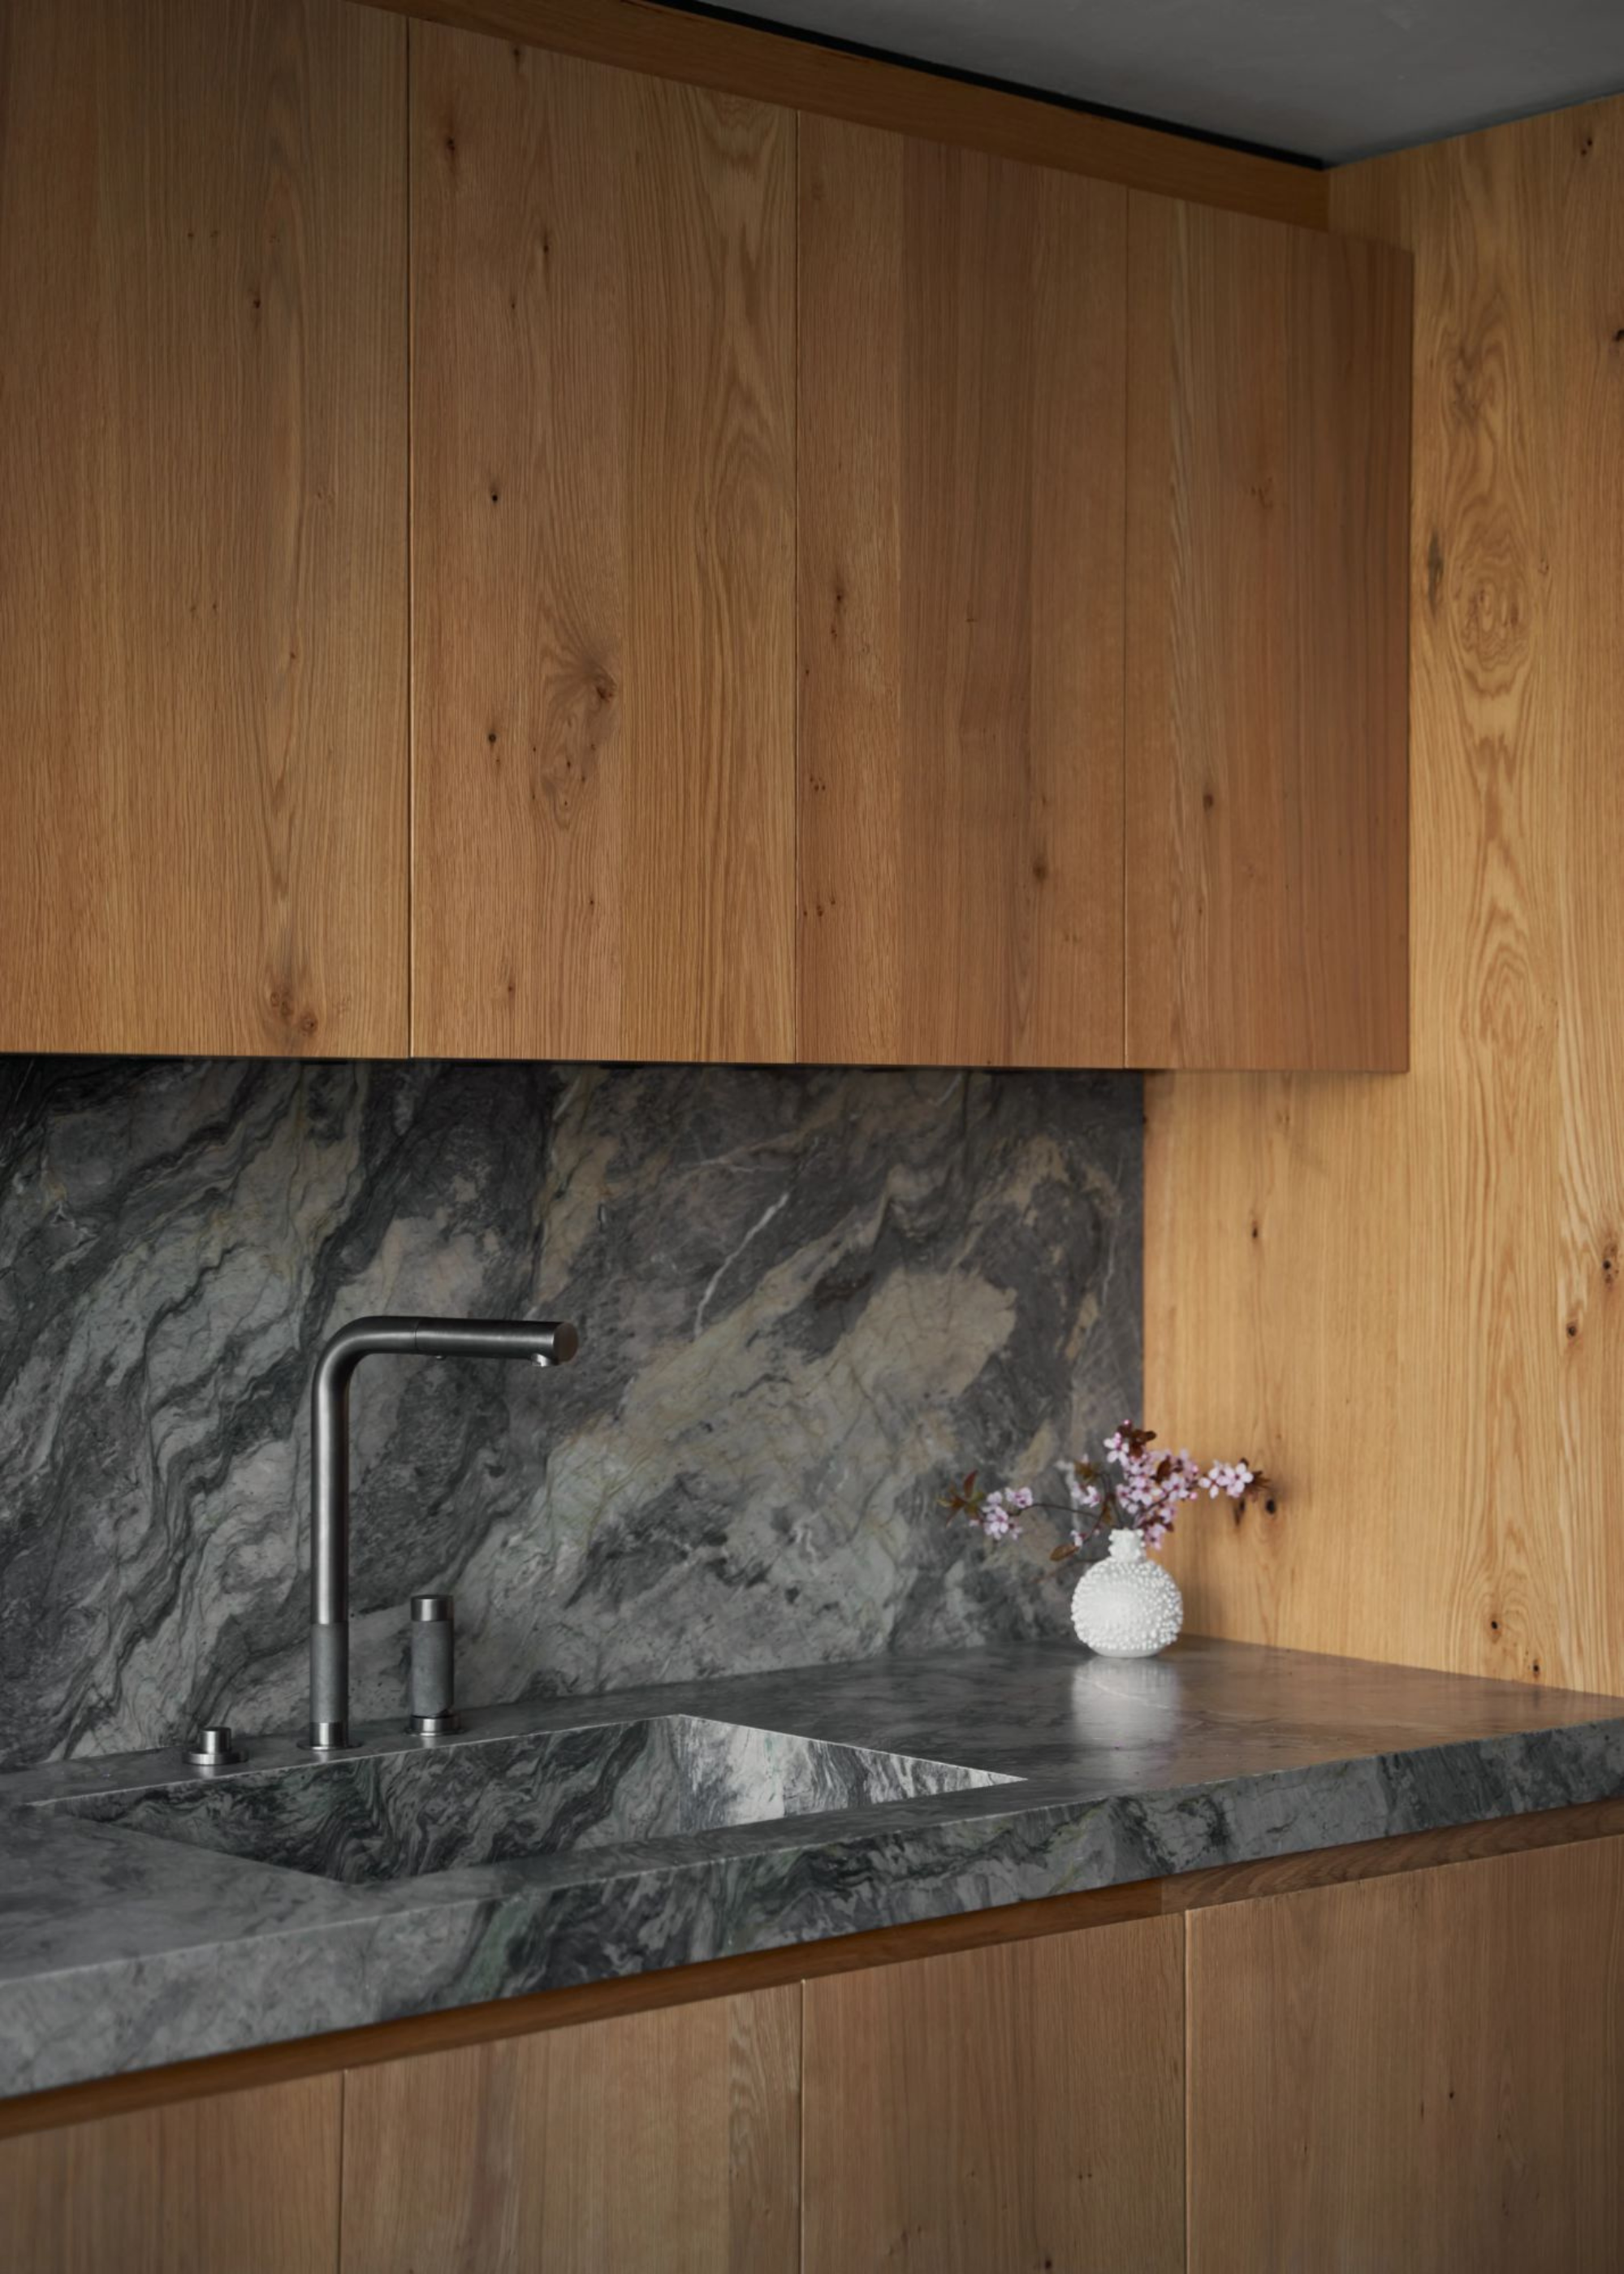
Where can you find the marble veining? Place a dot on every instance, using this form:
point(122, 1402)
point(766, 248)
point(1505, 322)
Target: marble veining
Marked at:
point(120, 1951)
point(495, 1799)
point(806, 1297)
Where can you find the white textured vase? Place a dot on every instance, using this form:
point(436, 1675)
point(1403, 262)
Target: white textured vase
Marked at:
point(1127, 1607)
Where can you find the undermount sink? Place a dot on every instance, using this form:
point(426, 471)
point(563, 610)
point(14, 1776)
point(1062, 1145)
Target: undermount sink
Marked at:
point(379, 1817)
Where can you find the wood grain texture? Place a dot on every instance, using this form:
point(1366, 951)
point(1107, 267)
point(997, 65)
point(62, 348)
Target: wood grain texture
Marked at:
point(1407, 1297)
point(202, 527)
point(1425, 2072)
point(961, 437)
point(1017, 2108)
point(602, 562)
point(1268, 452)
point(747, 59)
point(665, 2141)
point(247, 2183)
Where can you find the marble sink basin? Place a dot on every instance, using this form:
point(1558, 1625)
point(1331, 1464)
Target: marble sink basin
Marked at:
point(376, 1816)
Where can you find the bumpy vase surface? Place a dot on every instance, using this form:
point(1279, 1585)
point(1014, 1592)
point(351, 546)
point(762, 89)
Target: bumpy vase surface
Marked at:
point(1127, 1607)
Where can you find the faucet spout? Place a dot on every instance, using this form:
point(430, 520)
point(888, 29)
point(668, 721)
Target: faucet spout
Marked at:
point(549, 1341)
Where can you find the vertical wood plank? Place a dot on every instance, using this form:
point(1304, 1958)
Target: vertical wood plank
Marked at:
point(1268, 453)
point(668, 2139)
point(247, 2181)
point(758, 60)
point(202, 527)
point(960, 419)
point(1425, 2071)
point(1408, 1298)
point(1016, 2107)
point(603, 560)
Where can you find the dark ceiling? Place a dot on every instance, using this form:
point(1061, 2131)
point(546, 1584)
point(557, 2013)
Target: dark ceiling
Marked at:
point(1320, 80)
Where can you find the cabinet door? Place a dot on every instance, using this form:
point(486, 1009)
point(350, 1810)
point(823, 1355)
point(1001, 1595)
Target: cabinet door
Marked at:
point(247, 2181)
point(1017, 2107)
point(202, 527)
point(1268, 456)
point(1424, 2072)
point(664, 2141)
point(961, 469)
point(603, 488)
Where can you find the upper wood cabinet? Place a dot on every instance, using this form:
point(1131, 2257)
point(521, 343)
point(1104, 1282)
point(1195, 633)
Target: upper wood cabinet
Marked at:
point(1267, 775)
point(869, 599)
point(602, 501)
point(202, 527)
point(961, 482)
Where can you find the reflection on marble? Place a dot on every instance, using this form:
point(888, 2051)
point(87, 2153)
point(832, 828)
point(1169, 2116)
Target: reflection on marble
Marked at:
point(401, 1815)
point(119, 1950)
point(806, 1297)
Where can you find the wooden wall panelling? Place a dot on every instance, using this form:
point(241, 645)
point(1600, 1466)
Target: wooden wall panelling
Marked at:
point(773, 67)
point(603, 560)
point(1268, 455)
point(1016, 2106)
point(961, 424)
point(247, 2182)
point(1425, 2072)
point(202, 527)
point(664, 2139)
point(1408, 1296)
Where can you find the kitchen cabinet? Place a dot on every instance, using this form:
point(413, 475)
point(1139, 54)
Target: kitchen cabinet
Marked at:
point(961, 421)
point(1103, 533)
point(1016, 2106)
point(603, 502)
point(1421, 2068)
point(1267, 792)
point(665, 2139)
point(870, 599)
point(247, 2181)
point(203, 794)
point(1424, 2071)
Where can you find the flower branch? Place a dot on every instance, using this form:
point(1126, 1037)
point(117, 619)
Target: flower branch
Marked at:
point(1139, 1489)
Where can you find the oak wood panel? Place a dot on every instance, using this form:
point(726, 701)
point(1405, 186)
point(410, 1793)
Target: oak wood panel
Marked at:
point(1407, 1297)
point(663, 2141)
point(1425, 2072)
point(747, 59)
point(961, 436)
point(1012, 2108)
point(249, 2182)
point(602, 562)
point(202, 527)
point(1268, 453)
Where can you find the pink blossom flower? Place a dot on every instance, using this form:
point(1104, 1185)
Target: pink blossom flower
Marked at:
point(998, 1519)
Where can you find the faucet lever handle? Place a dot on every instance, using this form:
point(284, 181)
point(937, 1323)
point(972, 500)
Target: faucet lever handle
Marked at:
point(431, 1688)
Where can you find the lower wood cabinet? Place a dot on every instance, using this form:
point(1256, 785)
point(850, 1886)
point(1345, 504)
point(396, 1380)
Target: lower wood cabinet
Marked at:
point(246, 2183)
point(1416, 2073)
point(1422, 2073)
point(666, 2140)
point(1004, 2109)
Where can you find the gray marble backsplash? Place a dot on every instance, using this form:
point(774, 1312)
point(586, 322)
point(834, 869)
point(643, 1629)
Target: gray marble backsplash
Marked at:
point(806, 1299)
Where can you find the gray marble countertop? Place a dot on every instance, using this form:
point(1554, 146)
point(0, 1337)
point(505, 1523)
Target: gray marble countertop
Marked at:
point(120, 1951)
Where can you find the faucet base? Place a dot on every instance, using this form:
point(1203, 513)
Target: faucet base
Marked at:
point(329, 1737)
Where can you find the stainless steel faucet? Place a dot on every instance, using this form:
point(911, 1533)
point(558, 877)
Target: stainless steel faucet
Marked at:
point(549, 1341)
